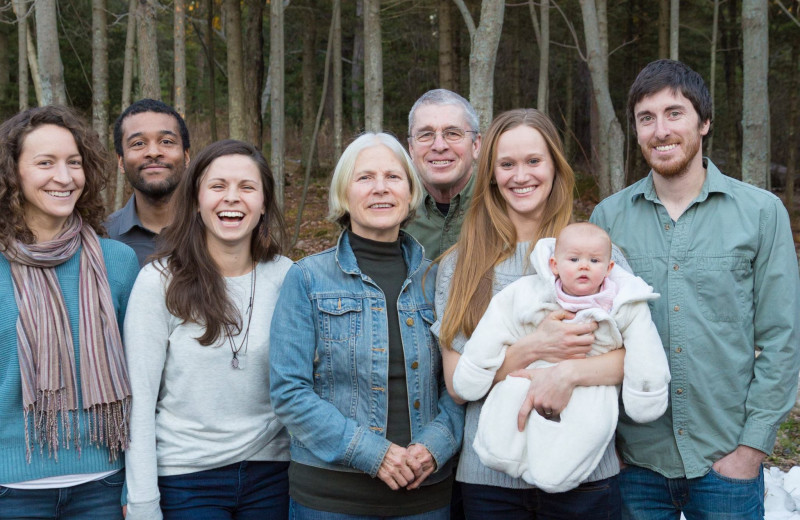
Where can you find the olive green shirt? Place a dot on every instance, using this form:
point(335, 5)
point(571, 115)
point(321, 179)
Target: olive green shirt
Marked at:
point(437, 232)
point(728, 276)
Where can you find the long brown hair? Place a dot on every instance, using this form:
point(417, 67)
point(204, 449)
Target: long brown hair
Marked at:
point(94, 157)
point(488, 236)
point(196, 291)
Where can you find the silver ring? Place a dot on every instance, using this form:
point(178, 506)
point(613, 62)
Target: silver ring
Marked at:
point(548, 412)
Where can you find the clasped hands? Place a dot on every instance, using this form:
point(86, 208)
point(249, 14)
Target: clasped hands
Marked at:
point(406, 467)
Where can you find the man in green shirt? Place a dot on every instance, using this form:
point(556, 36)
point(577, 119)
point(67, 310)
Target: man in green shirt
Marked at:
point(443, 141)
point(722, 256)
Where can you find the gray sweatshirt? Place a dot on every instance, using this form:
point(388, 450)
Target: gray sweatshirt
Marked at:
point(192, 411)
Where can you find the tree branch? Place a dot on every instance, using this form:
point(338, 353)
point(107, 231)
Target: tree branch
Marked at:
point(467, 18)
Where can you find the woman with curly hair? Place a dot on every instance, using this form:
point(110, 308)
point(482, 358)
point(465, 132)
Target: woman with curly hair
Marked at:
point(64, 390)
point(205, 442)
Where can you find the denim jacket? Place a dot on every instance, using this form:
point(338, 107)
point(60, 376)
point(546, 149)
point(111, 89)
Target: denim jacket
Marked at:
point(329, 363)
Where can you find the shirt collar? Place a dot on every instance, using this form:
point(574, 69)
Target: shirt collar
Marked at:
point(428, 202)
point(128, 219)
point(715, 182)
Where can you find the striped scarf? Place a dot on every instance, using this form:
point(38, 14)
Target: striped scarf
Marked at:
point(46, 352)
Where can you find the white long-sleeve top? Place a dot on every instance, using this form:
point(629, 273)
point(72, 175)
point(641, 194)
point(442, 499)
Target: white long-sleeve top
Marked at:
point(191, 410)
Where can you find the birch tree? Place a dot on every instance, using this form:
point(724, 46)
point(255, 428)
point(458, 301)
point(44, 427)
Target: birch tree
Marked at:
point(233, 35)
point(337, 79)
point(674, 28)
point(544, 57)
point(51, 69)
point(20, 8)
point(484, 40)
point(610, 163)
point(147, 49)
point(755, 101)
point(373, 67)
point(276, 97)
point(100, 69)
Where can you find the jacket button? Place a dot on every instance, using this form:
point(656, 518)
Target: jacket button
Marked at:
point(414, 365)
point(416, 404)
point(409, 321)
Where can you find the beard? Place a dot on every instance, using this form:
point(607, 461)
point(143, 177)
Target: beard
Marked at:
point(677, 166)
point(155, 190)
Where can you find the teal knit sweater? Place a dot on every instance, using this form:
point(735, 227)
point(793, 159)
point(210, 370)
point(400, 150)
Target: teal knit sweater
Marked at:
point(122, 268)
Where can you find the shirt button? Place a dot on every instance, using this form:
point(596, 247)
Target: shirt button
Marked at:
point(666, 226)
point(676, 308)
point(416, 404)
point(414, 365)
point(679, 350)
point(680, 431)
point(409, 321)
point(679, 391)
point(675, 267)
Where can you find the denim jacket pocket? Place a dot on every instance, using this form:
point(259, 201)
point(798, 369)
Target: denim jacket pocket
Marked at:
point(339, 318)
point(722, 286)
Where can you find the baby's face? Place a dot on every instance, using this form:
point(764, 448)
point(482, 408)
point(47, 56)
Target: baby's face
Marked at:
point(582, 262)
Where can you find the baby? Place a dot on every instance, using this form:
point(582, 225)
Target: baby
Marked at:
point(574, 273)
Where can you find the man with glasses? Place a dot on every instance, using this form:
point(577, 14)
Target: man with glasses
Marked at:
point(443, 141)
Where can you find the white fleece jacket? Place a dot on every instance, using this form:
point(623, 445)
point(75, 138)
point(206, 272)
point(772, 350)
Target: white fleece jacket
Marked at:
point(557, 456)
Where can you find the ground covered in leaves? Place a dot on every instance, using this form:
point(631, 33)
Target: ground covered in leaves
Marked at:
point(317, 234)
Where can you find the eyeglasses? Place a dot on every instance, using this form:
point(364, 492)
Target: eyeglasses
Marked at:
point(451, 135)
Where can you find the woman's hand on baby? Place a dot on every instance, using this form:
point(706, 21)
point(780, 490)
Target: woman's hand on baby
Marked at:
point(554, 340)
point(549, 392)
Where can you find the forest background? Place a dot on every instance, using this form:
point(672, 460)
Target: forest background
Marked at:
point(301, 78)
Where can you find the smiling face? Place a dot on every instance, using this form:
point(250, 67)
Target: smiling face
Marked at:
point(582, 259)
point(444, 167)
point(230, 201)
point(153, 156)
point(378, 195)
point(670, 133)
point(524, 173)
point(52, 179)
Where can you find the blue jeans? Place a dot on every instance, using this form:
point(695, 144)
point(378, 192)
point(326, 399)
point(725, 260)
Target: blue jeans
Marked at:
point(300, 512)
point(647, 495)
point(101, 499)
point(590, 501)
point(242, 491)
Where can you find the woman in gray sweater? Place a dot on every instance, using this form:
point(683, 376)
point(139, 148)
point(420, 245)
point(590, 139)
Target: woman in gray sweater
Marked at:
point(205, 442)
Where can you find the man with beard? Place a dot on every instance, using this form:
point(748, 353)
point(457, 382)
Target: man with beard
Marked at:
point(443, 141)
point(152, 145)
point(722, 256)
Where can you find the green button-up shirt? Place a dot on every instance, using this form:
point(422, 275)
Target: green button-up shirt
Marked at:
point(728, 276)
point(437, 232)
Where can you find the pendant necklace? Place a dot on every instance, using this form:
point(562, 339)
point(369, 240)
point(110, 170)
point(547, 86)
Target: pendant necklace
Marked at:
point(249, 312)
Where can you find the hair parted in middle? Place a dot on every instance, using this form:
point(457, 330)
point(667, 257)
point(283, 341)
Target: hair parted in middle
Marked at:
point(196, 291)
point(488, 236)
point(338, 208)
point(95, 160)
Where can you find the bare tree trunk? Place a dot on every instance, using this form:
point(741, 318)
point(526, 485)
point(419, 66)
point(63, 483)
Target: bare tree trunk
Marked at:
point(276, 94)
point(179, 56)
point(5, 63)
point(20, 7)
point(233, 35)
point(100, 71)
point(357, 67)
point(514, 75)
point(446, 58)
point(373, 67)
point(544, 58)
point(127, 64)
point(485, 39)
point(254, 70)
point(337, 80)
point(147, 46)
point(309, 76)
point(755, 102)
point(791, 163)
point(733, 92)
point(51, 69)
point(569, 123)
point(611, 174)
point(28, 48)
point(713, 74)
point(674, 28)
point(663, 29)
point(212, 89)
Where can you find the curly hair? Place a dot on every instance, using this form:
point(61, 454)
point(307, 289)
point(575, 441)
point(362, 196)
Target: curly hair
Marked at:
point(95, 168)
point(197, 292)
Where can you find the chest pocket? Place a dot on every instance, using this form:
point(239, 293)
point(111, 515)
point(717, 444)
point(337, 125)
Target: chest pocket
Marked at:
point(340, 318)
point(725, 287)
